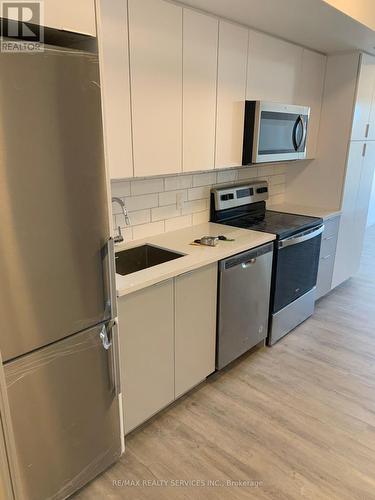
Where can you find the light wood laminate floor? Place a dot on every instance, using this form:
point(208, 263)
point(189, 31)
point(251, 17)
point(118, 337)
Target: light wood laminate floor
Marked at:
point(299, 417)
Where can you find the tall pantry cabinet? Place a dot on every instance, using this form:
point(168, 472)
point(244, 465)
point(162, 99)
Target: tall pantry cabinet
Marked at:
point(341, 177)
point(358, 176)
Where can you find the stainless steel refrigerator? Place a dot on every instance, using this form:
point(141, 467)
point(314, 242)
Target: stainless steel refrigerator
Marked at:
point(57, 291)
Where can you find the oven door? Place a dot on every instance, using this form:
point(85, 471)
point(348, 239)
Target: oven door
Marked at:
point(281, 133)
point(296, 266)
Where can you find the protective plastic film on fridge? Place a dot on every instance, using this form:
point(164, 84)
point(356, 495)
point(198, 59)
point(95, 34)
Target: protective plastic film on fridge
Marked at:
point(57, 293)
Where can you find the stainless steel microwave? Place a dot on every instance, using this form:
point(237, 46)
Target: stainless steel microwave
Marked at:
point(274, 132)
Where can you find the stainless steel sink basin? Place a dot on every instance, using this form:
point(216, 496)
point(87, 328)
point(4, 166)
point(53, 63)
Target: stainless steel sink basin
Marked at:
point(142, 257)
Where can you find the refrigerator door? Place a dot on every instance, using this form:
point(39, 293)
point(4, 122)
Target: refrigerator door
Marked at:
point(64, 409)
point(53, 200)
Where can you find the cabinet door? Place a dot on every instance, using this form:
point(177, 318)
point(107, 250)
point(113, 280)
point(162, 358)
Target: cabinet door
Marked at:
point(155, 34)
point(363, 198)
point(347, 258)
point(200, 41)
point(70, 15)
point(115, 86)
point(310, 93)
point(363, 102)
point(273, 69)
point(327, 257)
point(195, 334)
point(231, 89)
point(371, 126)
point(146, 322)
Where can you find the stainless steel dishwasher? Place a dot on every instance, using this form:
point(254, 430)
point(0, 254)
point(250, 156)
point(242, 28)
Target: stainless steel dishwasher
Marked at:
point(244, 298)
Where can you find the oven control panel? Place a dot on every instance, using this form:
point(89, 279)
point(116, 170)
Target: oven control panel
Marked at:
point(236, 195)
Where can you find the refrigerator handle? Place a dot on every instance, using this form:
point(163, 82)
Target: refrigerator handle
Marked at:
point(108, 336)
point(112, 277)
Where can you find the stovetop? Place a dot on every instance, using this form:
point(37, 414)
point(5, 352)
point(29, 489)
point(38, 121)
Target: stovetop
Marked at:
point(281, 224)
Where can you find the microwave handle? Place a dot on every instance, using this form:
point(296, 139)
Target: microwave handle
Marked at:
point(301, 121)
point(304, 131)
point(294, 133)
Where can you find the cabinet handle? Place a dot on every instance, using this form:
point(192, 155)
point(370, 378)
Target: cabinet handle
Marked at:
point(327, 238)
point(326, 257)
point(364, 149)
point(367, 130)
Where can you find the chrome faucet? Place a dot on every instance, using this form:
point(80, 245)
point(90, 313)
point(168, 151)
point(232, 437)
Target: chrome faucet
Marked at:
point(119, 238)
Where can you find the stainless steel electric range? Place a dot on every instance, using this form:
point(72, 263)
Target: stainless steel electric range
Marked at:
point(296, 250)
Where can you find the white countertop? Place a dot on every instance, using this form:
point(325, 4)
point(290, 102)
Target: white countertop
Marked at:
point(324, 213)
point(195, 256)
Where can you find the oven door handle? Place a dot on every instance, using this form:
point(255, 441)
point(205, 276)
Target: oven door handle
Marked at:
point(305, 236)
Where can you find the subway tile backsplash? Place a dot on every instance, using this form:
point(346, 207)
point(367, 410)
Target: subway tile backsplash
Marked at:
point(159, 204)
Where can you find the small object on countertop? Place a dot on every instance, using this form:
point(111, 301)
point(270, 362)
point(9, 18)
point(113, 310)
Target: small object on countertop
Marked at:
point(211, 241)
point(224, 238)
point(208, 241)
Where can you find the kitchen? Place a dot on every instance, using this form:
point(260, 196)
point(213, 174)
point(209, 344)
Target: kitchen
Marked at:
point(217, 167)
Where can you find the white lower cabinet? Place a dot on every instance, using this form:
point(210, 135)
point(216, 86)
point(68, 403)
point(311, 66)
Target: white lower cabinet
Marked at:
point(327, 257)
point(355, 205)
point(167, 342)
point(146, 325)
point(195, 327)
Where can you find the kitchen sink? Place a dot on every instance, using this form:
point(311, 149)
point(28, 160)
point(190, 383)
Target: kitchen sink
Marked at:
point(142, 257)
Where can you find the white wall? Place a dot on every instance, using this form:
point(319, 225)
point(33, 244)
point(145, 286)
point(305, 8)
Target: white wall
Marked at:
point(371, 213)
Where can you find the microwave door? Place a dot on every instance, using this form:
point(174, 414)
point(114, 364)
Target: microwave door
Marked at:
point(280, 134)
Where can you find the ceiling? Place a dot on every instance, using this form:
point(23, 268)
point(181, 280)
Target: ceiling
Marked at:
point(312, 23)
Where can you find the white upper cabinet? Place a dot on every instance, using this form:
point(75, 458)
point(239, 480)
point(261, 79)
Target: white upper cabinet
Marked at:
point(200, 45)
point(371, 126)
point(115, 86)
point(310, 86)
point(70, 15)
point(231, 90)
point(274, 67)
point(365, 90)
point(155, 34)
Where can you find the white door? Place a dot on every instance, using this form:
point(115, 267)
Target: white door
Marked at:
point(274, 67)
point(200, 42)
point(347, 258)
point(231, 89)
point(365, 92)
point(146, 327)
point(371, 125)
point(70, 15)
point(195, 327)
point(364, 197)
point(115, 86)
point(155, 35)
point(310, 93)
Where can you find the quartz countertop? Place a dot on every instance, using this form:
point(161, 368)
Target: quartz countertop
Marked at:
point(195, 256)
point(324, 213)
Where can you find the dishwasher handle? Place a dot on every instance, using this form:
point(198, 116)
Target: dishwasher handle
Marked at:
point(245, 259)
point(249, 263)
